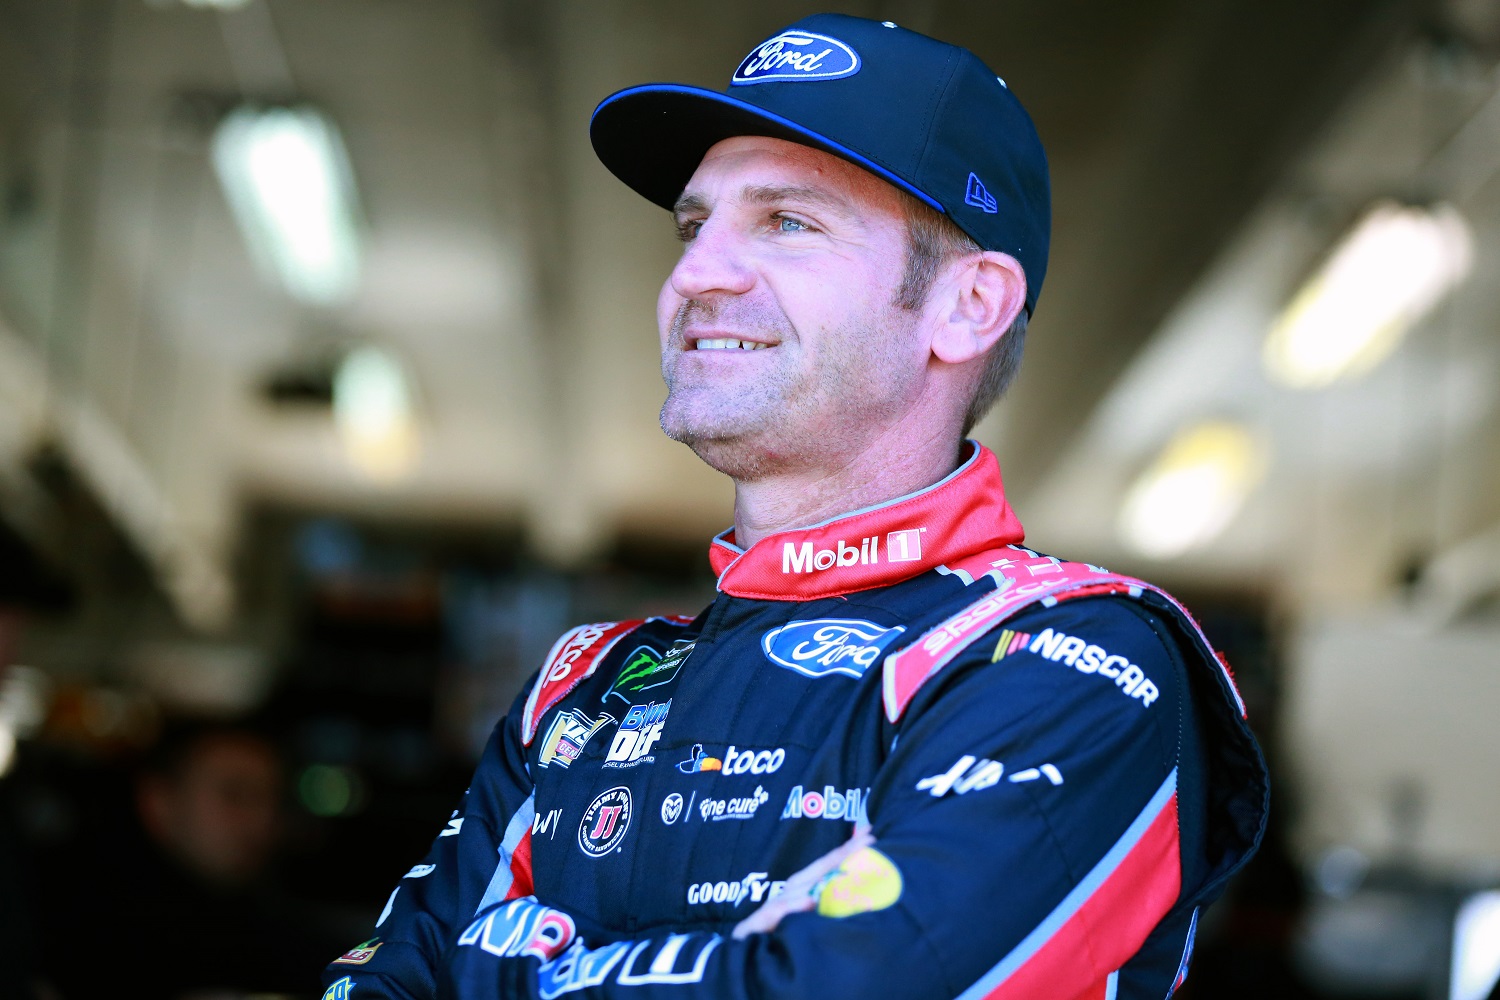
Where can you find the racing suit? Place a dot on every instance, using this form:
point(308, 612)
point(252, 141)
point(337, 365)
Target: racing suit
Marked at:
point(1053, 763)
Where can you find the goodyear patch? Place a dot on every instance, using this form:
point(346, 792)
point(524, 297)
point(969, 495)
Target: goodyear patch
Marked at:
point(866, 881)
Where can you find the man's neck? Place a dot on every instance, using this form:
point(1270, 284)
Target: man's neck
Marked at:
point(874, 476)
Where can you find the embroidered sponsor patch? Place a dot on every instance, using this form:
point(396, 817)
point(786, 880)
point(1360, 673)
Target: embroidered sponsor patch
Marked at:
point(545, 824)
point(752, 888)
point(605, 822)
point(698, 762)
point(734, 761)
point(1010, 641)
point(566, 737)
point(830, 803)
point(521, 927)
point(638, 733)
point(360, 953)
point(1088, 658)
point(900, 547)
point(645, 669)
point(671, 808)
point(796, 55)
point(866, 881)
point(969, 774)
point(826, 646)
point(675, 960)
point(742, 807)
point(339, 989)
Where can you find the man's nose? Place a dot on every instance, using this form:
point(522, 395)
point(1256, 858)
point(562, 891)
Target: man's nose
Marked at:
point(715, 261)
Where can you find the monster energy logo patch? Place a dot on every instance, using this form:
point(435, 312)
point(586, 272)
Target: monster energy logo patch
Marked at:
point(645, 669)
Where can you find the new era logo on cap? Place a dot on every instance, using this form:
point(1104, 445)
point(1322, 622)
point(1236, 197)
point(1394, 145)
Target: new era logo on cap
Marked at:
point(979, 196)
point(797, 55)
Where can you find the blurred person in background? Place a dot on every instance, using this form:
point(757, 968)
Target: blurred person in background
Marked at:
point(174, 913)
point(900, 754)
point(212, 804)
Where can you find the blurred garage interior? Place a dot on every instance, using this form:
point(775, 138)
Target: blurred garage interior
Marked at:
point(328, 394)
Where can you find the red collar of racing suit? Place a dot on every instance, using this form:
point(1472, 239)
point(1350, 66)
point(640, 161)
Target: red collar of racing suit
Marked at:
point(958, 516)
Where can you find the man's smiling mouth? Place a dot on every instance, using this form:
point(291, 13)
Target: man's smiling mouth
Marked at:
point(727, 344)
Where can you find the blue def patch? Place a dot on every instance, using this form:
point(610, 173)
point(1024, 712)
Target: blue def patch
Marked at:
point(825, 646)
point(797, 55)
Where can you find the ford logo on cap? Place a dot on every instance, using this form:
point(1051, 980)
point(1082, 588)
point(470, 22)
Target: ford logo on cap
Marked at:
point(846, 646)
point(797, 55)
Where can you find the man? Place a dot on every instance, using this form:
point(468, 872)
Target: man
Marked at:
point(211, 801)
point(899, 755)
point(191, 892)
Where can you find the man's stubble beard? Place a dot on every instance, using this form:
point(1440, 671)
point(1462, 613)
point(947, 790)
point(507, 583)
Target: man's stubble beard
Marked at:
point(785, 417)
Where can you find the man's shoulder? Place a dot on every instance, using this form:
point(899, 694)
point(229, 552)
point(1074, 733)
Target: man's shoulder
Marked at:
point(1017, 601)
point(578, 653)
point(1108, 651)
point(1104, 620)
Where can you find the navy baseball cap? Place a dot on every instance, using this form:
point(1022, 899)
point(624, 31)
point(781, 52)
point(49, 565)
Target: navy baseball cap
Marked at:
point(929, 117)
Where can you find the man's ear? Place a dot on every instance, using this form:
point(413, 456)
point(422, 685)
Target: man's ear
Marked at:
point(977, 303)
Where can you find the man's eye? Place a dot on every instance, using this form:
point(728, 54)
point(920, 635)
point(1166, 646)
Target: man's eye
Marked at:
point(687, 229)
point(785, 224)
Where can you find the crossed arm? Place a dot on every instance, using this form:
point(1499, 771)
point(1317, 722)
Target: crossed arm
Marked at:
point(1024, 843)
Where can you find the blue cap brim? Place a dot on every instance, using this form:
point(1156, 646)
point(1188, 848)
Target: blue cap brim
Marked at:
point(653, 137)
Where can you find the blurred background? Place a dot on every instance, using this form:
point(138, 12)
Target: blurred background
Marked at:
point(328, 393)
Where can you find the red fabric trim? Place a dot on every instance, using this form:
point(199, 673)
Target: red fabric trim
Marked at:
point(1095, 991)
point(896, 541)
point(1109, 928)
point(520, 870)
point(573, 658)
point(1022, 579)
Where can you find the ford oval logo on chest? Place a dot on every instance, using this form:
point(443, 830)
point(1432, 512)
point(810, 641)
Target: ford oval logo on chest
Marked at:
point(797, 55)
point(846, 646)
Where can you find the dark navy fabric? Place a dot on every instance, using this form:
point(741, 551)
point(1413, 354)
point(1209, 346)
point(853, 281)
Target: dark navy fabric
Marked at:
point(980, 868)
point(929, 117)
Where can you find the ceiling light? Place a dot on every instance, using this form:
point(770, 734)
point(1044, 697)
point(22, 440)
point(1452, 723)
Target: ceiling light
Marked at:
point(1193, 489)
point(209, 4)
point(372, 409)
point(1390, 270)
point(1476, 948)
point(24, 693)
point(288, 181)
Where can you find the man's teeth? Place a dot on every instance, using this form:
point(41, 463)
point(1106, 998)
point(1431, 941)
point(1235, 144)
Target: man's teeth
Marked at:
point(727, 343)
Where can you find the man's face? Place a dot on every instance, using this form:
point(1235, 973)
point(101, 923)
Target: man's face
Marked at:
point(792, 257)
point(221, 815)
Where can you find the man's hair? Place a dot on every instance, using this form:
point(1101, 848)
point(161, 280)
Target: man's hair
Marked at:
point(180, 742)
point(932, 242)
